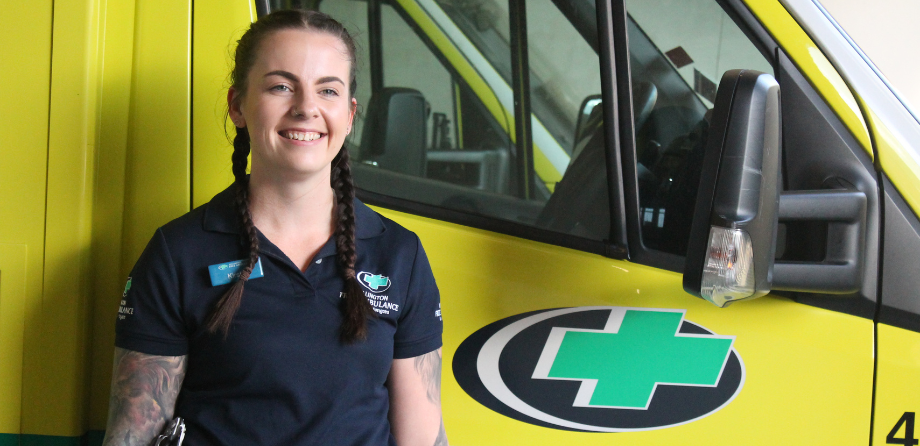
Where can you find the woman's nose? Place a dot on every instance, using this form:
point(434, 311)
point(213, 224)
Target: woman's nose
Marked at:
point(304, 106)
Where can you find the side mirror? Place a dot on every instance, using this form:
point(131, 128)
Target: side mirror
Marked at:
point(733, 234)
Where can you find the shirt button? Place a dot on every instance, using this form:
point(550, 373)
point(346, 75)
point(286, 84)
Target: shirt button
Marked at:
point(319, 261)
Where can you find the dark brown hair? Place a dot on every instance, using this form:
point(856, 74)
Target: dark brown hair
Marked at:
point(355, 307)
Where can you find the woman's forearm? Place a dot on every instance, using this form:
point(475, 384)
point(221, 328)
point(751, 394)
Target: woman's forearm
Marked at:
point(143, 396)
point(415, 401)
point(428, 367)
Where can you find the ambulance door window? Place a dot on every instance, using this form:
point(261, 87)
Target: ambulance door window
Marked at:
point(678, 53)
point(568, 136)
point(454, 151)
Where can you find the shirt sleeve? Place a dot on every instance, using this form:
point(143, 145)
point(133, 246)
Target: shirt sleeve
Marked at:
point(150, 315)
point(420, 326)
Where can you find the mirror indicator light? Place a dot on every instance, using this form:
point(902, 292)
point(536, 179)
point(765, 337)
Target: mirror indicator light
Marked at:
point(728, 272)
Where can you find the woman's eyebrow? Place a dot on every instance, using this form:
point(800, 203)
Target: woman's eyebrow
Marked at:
point(293, 78)
point(327, 79)
point(285, 74)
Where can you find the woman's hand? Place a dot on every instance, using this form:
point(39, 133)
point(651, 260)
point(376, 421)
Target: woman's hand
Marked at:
point(415, 401)
point(144, 391)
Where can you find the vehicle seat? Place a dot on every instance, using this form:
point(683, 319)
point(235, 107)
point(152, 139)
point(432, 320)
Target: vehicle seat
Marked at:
point(394, 131)
point(580, 204)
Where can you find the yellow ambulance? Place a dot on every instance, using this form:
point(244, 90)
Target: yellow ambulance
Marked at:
point(594, 181)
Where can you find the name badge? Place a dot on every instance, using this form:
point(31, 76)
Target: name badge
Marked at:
point(224, 273)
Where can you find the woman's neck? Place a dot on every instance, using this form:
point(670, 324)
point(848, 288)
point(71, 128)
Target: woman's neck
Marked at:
point(287, 209)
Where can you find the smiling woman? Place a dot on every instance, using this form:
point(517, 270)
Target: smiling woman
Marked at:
point(297, 111)
point(287, 349)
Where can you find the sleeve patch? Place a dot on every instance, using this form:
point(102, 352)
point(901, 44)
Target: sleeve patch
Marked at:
point(123, 309)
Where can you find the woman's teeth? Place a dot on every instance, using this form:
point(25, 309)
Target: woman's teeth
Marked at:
point(302, 136)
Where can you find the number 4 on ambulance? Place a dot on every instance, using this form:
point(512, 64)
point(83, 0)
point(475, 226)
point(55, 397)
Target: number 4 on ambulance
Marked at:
point(904, 428)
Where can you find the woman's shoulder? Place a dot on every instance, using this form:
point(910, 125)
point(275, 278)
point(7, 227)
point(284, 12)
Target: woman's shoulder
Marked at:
point(372, 225)
point(214, 219)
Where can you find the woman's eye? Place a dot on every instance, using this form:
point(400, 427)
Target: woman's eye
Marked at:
point(281, 88)
point(329, 92)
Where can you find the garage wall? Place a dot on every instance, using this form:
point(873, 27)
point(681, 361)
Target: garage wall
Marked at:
point(886, 31)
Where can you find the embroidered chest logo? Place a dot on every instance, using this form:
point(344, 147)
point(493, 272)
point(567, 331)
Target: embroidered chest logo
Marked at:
point(376, 283)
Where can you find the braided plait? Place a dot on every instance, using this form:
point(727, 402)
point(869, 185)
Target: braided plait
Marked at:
point(223, 312)
point(357, 308)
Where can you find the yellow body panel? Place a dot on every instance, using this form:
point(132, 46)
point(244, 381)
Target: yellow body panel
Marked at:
point(142, 161)
point(897, 387)
point(216, 33)
point(793, 354)
point(24, 103)
point(13, 261)
point(814, 65)
point(157, 186)
point(145, 116)
point(56, 325)
point(117, 25)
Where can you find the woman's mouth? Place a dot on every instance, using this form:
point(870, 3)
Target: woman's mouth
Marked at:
point(301, 136)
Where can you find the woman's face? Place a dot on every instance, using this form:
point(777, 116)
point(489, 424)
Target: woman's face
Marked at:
point(297, 107)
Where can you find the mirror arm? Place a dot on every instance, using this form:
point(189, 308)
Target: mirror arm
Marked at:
point(841, 269)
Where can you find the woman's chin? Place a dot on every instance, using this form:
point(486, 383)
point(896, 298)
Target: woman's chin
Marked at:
point(300, 170)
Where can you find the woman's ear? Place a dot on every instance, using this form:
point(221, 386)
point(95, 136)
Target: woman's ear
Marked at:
point(233, 108)
point(351, 115)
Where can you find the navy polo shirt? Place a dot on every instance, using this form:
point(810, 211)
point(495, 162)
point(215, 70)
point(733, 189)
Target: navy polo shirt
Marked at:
point(281, 377)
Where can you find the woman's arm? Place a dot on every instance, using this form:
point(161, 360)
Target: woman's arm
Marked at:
point(144, 390)
point(415, 401)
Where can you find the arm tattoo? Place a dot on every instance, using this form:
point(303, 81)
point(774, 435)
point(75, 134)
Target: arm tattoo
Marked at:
point(442, 436)
point(144, 391)
point(429, 367)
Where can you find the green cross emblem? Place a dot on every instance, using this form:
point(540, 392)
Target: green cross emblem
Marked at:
point(621, 366)
point(376, 281)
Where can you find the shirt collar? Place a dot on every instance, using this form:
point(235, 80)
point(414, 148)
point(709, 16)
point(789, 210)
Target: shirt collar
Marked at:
point(220, 216)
